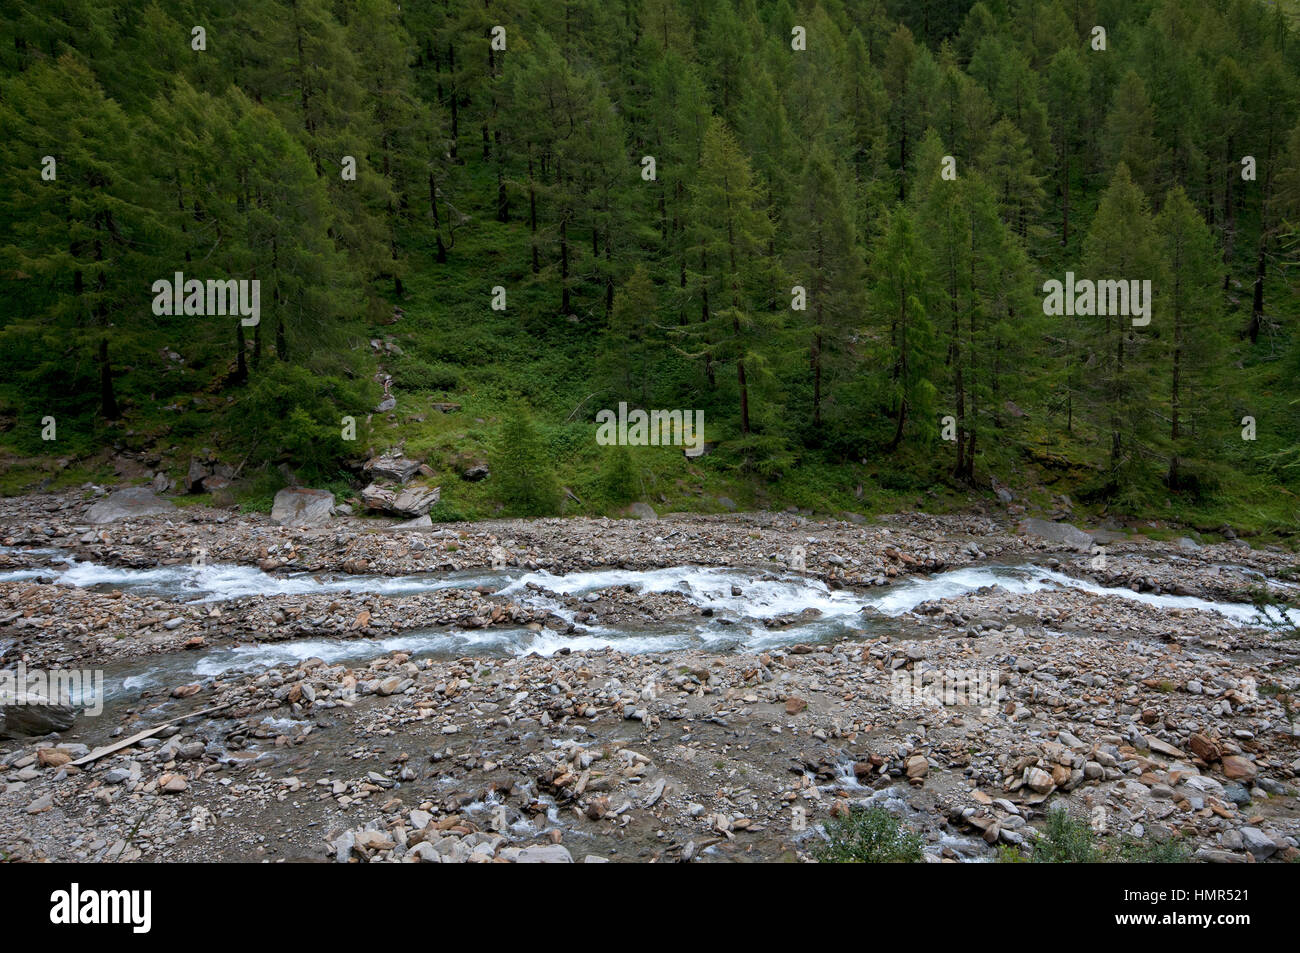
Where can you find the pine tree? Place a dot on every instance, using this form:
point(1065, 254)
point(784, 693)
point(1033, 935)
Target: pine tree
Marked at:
point(1129, 135)
point(1191, 303)
point(825, 261)
point(628, 344)
point(1121, 246)
point(728, 242)
point(898, 302)
point(522, 468)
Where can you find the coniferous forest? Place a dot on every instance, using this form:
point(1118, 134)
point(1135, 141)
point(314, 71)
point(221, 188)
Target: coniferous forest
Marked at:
point(664, 431)
point(831, 228)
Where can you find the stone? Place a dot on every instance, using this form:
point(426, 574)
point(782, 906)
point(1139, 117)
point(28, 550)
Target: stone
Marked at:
point(421, 524)
point(373, 840)
point(42, 804)
point(1038, 780)
point(392, 466)
point(27, 713)
point(1257, 842)
point(1237, 794)
point(300, 506)
point(195, 476)
point(1164, 748)
point(1209, 855)
point(411, 501)
point(170, 783)
point(130, 503)
point(794, 705)
point(546, 854)
point(641, 511)
point(1238, 768)
point(917, 766)
point(1063, 534)
point(1204, 748)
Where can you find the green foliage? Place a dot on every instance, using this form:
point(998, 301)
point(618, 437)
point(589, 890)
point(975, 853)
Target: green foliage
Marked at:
point(1152, 850)
point(1065, 840)
point(289, 413)
point(871, 836)
point(522, 471)
point(476, 169)
point(620, 482)
point(411, 373)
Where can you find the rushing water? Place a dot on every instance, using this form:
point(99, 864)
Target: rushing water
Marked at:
point(740, 603)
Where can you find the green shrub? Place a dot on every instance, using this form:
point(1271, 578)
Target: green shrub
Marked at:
point(411, 373)
point(1066, 840)
point(522, 470)
point(288, 412)
point(1152, 850)
point(871, 836)
point(619, 481)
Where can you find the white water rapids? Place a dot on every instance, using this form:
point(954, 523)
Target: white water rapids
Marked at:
point(736, 622)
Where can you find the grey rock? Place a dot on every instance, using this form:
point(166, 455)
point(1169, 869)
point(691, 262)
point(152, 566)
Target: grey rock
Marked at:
point(1063, 534)
point(392, 467)
point(299, 506)
point(1258, 843)
point(130, 503)
point(411, 501)
point(1237, 794)
point(27, 713)
point(547, 854)
point(417, 525)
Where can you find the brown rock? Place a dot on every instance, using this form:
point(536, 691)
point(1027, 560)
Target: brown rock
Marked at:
point(1238, 768)
point(52, 757)
point(1204, 748)
point(794, 705)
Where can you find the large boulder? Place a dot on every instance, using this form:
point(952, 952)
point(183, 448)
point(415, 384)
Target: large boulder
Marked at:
point(641, 511)
point(299, 506)
point(392, 466)
point(130, 503)
point(195, 476)
point(410, 501)
point(1063, 534)
point(28, 713)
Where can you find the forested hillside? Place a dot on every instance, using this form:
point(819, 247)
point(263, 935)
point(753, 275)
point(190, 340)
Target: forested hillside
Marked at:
point(829, 226)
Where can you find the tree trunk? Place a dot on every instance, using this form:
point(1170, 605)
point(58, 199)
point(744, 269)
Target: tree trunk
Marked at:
point(107, 399)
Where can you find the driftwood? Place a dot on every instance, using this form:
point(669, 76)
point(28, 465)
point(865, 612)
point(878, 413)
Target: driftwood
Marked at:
point(140, 736)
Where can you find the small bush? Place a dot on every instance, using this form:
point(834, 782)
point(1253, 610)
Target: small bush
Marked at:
point(522, 470)
point(411, 373)
point(619, 481)
point(871, 836)
point(1168, 850)
point(1065, 840)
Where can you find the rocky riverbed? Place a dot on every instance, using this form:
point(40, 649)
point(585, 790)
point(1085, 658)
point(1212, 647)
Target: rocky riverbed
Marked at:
point(687, 688)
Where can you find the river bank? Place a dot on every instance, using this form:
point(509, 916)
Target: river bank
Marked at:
point(687, 688)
